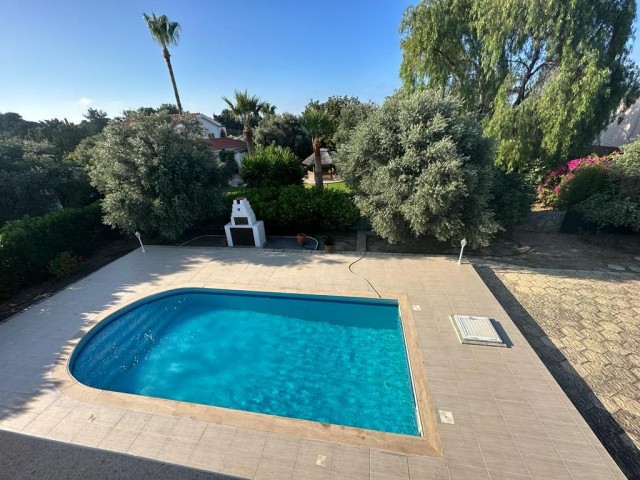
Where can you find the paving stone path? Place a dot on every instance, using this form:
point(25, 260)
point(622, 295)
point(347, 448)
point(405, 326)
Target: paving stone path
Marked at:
point(585, 326)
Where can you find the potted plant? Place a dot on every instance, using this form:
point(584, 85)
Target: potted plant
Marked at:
point(329, 244)
point(301, 238)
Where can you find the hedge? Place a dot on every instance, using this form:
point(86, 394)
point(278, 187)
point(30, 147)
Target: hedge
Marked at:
point(29, 244)
point(294, 209)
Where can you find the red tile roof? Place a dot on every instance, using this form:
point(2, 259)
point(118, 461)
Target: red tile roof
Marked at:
point(227, 143)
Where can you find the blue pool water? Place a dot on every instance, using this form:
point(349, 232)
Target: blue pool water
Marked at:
point(328, 359)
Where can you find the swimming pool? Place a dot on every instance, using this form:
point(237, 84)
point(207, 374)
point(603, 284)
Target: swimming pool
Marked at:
point(337, 360)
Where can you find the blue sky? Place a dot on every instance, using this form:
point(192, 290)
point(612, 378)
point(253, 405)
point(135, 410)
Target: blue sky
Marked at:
point(59, 58)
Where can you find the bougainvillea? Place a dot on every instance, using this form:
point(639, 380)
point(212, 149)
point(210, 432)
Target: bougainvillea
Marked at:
point(560, 178)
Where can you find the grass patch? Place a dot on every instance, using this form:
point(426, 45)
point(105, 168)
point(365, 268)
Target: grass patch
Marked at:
point(331, 186)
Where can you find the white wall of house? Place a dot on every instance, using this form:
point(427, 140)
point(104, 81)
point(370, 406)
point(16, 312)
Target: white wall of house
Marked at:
point(239, 156)
point(211, 126)
point(617, 134)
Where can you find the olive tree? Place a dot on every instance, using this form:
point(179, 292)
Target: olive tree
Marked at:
point(420, 166)
point(157, 174)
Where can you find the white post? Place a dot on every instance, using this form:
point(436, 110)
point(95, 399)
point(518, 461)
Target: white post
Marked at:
point(463, 243)
point(140, 240)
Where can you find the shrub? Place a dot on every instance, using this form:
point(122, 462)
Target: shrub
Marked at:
point(228, 160)
point(29, 244)
point(297, 209)
point(619, 205)
point(512, 198)
point(157, 176)
point(582, 182)
point(605, 210)
point(421, 166)
point(65, 264)
point(561, 176)
point(271, 166)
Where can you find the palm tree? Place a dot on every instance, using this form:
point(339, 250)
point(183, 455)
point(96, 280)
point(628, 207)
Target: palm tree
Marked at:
point(165, 33)
point(316, 123)
point(246, 109)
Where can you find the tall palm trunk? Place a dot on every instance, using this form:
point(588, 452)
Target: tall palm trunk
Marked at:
point(167, 57)
point(317, 170)
point(248, 137)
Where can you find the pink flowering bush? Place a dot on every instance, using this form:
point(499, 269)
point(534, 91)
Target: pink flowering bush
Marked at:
point(574, 181)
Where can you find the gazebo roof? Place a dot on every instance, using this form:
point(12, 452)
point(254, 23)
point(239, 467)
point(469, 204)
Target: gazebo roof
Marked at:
point(325, 156)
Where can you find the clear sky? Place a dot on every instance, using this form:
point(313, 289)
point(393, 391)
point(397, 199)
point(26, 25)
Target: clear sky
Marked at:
point(59, 58)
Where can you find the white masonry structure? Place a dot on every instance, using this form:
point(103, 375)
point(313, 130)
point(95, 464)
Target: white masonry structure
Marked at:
point(244, 230)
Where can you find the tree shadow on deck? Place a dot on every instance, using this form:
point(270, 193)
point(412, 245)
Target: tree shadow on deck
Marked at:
point(600, 420)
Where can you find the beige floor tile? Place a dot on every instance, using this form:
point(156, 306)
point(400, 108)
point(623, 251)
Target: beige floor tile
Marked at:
point(91, 435)
point(161, 425)
point(209, 455)
point(147, 445)
point(189, 429)
point(389, 464)
point(177, 450)
point(545, 467)
point(119, 439)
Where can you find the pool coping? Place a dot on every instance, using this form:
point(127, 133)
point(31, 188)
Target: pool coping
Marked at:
point(428, 444)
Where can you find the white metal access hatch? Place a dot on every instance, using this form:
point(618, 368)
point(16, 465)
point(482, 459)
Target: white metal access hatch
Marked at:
point(476, 330)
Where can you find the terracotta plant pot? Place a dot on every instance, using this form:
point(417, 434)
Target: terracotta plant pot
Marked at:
point(329, 248)
point(301, 238)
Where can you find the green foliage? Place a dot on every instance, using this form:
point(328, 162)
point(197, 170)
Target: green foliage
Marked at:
point(28, 245)
point(65, 264)
point(545, 76)
point(585, 181)
point(625, 172)
point(228, 119)
point(34, 180)
point(154, 178)
point(228, 160)
point(298, 209)
point(271, 166)
point(512, 198)
point(618, 205)
point(605, 210)
point(422, 167)
point(284, 131)
point(13, 125)
point(343, 113)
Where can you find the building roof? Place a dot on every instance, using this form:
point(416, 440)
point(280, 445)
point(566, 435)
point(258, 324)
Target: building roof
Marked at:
point(226, 143)
point(209, 119)
point(325, 156)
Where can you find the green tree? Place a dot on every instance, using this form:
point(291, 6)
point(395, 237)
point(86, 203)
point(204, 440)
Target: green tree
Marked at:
point(317, 124)
point(344, 113)
point(544, 76)
point(154, 178)
point(271, 166)
point(34, 180)
point(421, 166)
point(165, 33)
point(228, 119)
point(246, 108)
point(285, 131)
point(13, 125)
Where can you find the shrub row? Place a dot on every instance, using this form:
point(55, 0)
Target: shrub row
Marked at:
point(295, 209)
point(29, 244)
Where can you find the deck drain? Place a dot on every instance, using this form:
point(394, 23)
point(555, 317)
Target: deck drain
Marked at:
point(321, 461)
point(476, 330)
point(446, 416)
point(416, 307)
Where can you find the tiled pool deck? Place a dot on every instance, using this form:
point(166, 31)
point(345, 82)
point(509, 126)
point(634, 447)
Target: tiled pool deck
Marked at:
point(512, 421)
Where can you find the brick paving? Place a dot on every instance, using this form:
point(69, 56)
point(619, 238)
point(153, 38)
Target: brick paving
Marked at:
point(585, 326)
